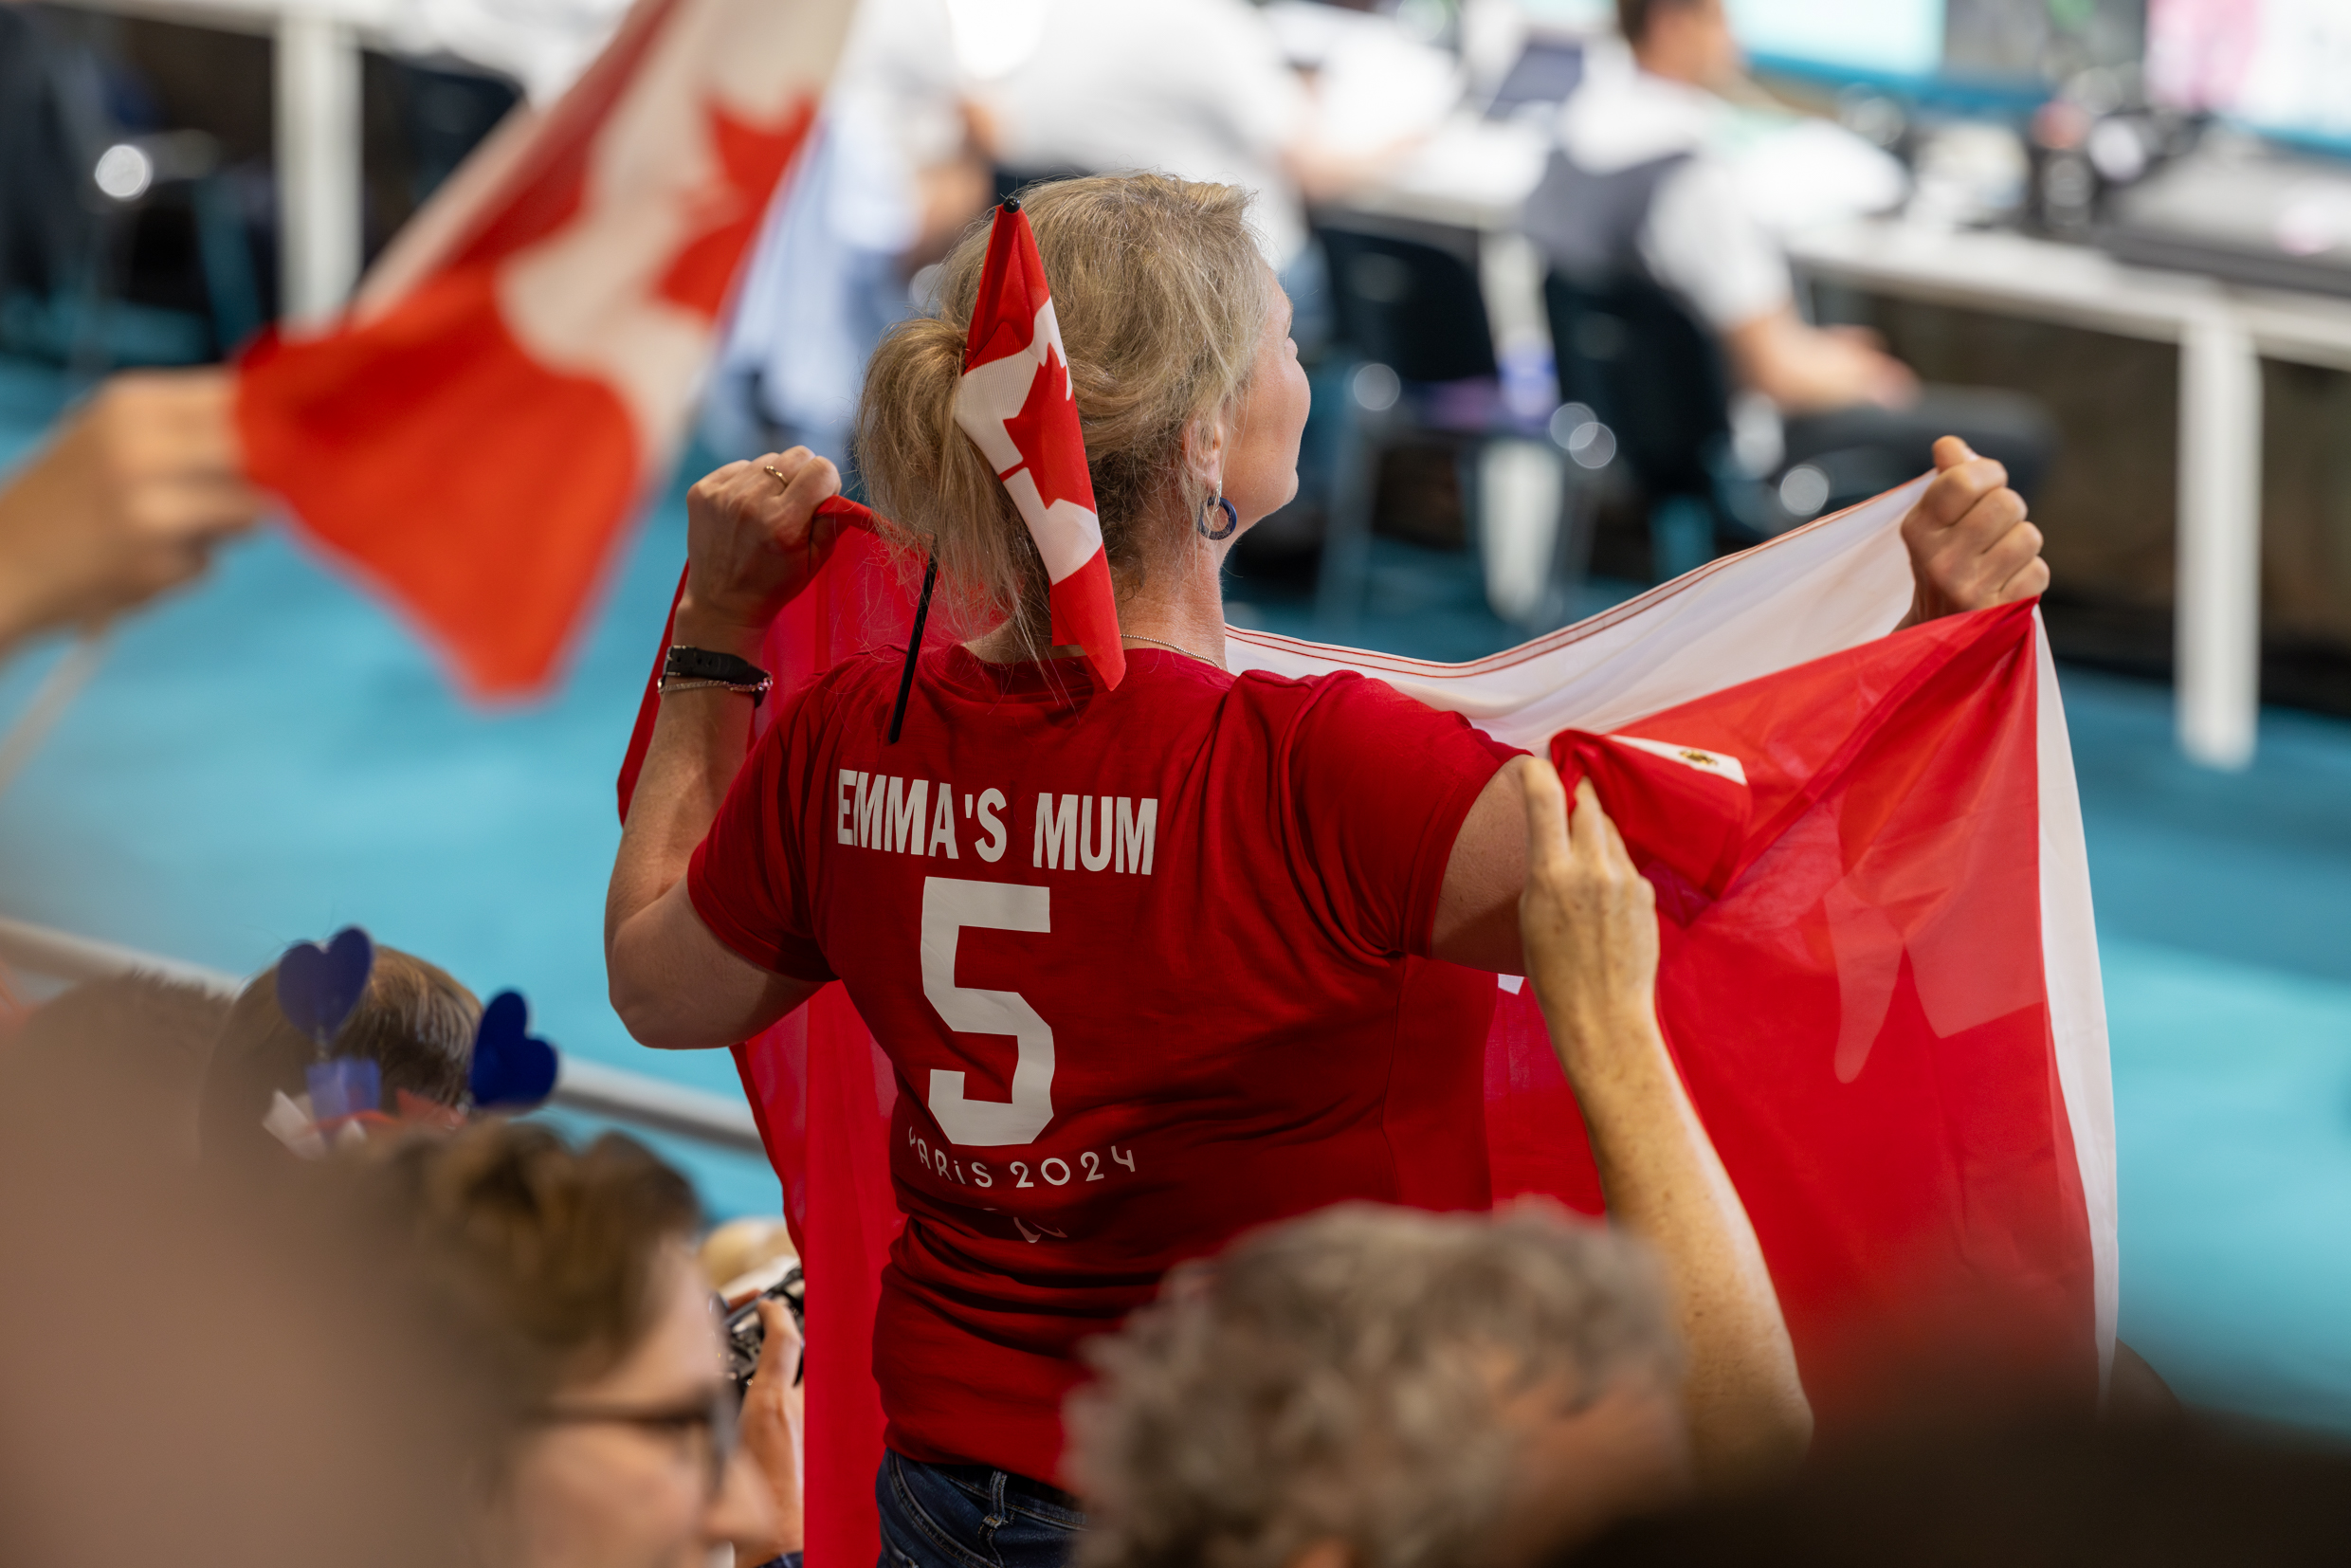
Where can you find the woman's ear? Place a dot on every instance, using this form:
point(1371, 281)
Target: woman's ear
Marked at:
point(1204, 452)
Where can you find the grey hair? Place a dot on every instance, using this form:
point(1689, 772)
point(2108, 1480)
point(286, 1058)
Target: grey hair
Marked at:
point(1341, 1376)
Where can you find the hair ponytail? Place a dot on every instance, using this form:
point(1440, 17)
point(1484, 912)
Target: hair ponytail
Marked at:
point(1162, 294)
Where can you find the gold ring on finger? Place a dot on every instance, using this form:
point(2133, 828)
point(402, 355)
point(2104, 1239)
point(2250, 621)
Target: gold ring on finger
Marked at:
point(770, 469)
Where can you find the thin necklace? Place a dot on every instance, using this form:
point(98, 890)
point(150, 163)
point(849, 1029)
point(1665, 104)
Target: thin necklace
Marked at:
point(1171, 647)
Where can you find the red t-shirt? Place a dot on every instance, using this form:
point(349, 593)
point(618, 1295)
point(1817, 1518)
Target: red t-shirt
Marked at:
point(1139, 960)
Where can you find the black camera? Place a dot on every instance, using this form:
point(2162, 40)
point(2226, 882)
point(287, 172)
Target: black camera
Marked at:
point(745, 1334)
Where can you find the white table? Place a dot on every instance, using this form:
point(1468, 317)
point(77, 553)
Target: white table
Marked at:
point(2223, 333)
point(317, 81)
point(1474, 175)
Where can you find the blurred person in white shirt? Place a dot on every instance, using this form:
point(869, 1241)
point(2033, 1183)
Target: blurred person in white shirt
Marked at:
point(888, 179)
point(1196, 88)
point(1200, 89)
point(1658, 173)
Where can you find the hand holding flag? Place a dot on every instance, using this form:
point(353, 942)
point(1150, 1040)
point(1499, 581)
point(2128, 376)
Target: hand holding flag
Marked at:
point(757, 533)
point(1971, 544)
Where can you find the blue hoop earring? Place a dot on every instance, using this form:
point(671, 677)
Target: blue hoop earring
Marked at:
point(1232, 521)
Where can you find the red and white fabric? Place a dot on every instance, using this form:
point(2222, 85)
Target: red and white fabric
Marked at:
point(1019, 409)
point(1753, 651)
point(519, 365)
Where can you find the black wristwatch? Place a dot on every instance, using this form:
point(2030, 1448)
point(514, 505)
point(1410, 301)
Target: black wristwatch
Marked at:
point(700, 669)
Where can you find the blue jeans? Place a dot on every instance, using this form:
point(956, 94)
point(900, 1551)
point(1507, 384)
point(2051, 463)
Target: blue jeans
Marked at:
point(970, 1516)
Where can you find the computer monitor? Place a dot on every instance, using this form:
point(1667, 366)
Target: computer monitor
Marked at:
point(1548, 70)
point(2039, 43)
point(1866, 38)
point(2014, 47)
point(2279, 66)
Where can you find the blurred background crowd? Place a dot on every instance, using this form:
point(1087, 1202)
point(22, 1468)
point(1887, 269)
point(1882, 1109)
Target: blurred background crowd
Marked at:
point(1588, 294)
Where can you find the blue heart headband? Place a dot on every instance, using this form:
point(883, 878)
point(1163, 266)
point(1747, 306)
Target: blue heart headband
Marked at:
point(513, 1069)
point(319, 988)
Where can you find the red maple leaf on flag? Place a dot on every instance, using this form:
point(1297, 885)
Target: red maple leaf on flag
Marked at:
point(1052, 445)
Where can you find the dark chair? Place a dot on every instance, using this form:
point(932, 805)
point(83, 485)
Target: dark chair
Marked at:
point(1409, 305)
point(1654, 375)
point(1416, 356)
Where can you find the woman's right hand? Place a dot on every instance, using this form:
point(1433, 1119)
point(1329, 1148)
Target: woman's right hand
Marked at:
point(751, 544)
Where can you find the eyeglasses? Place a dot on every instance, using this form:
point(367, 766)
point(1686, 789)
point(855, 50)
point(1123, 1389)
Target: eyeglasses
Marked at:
point(713, 1416)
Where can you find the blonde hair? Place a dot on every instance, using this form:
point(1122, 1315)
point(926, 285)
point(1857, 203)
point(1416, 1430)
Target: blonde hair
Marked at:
point(1162, 295)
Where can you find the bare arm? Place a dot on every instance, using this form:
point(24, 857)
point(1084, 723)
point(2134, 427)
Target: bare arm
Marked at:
point(1591, 937)
point(1477, 920)
point(1805, 369)
point(1970, 544)
point(751, 544)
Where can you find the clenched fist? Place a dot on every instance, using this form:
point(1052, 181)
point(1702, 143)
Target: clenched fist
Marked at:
point(754, 539)
point(1971, 546)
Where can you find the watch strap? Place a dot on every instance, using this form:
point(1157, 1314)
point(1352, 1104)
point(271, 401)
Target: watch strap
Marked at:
point(695, 669)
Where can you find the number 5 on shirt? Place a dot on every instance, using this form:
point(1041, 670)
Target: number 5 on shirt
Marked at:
point(948, 906)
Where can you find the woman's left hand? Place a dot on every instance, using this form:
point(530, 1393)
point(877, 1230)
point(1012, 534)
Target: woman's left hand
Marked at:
point(754, 539)
point(775, 1428)
point(1970, 545)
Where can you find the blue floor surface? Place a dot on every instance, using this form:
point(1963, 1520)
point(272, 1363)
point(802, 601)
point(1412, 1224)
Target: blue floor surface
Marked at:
point(272, 756)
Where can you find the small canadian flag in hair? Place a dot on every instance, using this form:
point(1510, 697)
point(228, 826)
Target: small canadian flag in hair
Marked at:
point(1019, 409)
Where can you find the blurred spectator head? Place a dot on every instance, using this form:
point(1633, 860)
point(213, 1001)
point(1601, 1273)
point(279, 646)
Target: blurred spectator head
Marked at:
point(1686, 40)
point(747, 1253)
point(413, 1021)
point(1383, 1388)
point(1163, 300)
point(2036, 1494)
point(136, 1044)
point(214, 1383)
point(571, 1274)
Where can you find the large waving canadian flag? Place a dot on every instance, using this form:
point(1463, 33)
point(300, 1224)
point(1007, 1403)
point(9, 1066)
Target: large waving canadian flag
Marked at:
point(1879, 974)
point(519, 365)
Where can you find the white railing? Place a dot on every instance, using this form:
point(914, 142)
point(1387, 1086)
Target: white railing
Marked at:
point(589, 1087)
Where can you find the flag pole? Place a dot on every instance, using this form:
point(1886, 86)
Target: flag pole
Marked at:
point(914, 649)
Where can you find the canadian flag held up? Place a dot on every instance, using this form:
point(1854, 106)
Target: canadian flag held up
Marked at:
point(521, 364)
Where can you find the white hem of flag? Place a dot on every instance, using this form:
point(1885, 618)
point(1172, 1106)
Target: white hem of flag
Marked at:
point(2077, 1000)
